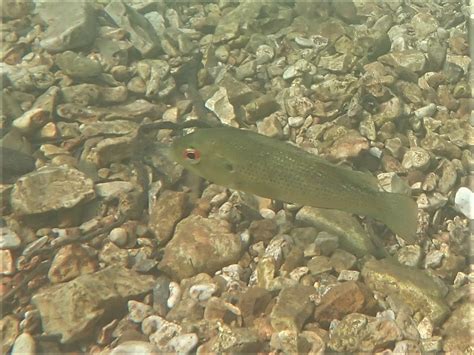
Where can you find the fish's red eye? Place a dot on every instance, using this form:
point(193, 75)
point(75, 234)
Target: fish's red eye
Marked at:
point(192, 155)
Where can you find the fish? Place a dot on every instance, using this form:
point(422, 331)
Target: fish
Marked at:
point(250, 162)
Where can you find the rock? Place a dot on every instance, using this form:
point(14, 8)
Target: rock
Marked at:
point(348, 146)
point(78, 66)
point(110, 254)
point(361, 333)
point(270, 126)
point(416, 158)
point(24, 345)
point(141, 32)
point(232, 341)
point(411, 59)
point(8, 332)
point(448, 177)
point(138, 311)
point(115, 127)
point(252, 303)
point(407, 347)
point(50, 189)
point(219, 104)
point(111, 150)
point(410, 285)
point(319, 265)
point(348, 275)
point(351, 235)
point(200, 245)
point(263, 230)
point(183, 343)
point(343, 299)
point(70, 26)
point(342, 260)
point(326, 243)
point(424, 23)
point(99, 295)
point(134, 347)
point(14, 164)
point(457, 330)
point(292, 308)
point(70, 262)
point(409, 255)
point(9, 239)
point(7, 263)
point(165, 212)
point(433, 259)
point(119, 236)
point(464, 202)
point(30, 121)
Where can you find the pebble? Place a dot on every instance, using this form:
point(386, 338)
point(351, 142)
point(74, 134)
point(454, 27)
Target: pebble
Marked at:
point(7, 264)
point(409, 255)
point(9, 239)
point(433, 259)
point(24, 345)
point(202, 292)
point(464, 202)
point(184, 343)
point(175, 294)
point(348, 275)
point(138, 311)
point(425, 328)
point(416, 158)
point(295, 121)
point(119, 236)
point(133, 347)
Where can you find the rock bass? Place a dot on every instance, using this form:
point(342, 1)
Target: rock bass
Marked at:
point(253, 163)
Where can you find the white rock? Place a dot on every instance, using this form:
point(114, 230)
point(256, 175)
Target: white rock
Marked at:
point(134, 347)
point(24, 345)
point(175, 294)
point(184, 343)
point(348, 275)
point(9, 239)
point(202, 292)
point(425, 328)
point(138, 311)
point(118, 236)
point(464, 202)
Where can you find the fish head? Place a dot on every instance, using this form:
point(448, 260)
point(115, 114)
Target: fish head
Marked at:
point(202, 154)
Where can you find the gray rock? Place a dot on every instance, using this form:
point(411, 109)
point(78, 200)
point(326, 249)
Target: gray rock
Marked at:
point(71, 25)
point(184, 343)
point(113, 189)
point(292, 308)
point(24, 345)
point(360, 333)
point(119, 236)
point(200, 245)
point(351, 235)
point(51, 189)
point(9, 239)
point(464, 202)
point(326, 243)
point(78, 66)
point(99, 295)
point(220, 105)
point(412, 286)
point(142, 34)
point(318, 265)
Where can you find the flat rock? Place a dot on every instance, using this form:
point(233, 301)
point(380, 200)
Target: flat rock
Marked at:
point(80, 304)
point(50, 189)
point(358, 332)
point(167, 210)
point(70, 262)
point(410, 285)
point(70, 25)
point(343, 299)
point(200, 245)
point(292, 308)
point(352, 236)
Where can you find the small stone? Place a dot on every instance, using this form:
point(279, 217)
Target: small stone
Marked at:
point(464, 202)
point(433, 259)
point(426, 111)
point(319, 265)
point(345, 298)
point(270, 126)
point(138, 311)
point(113, 189)
point(184, 343)
point(202, 292)
point(119, 236)
point(342, 260)
point(9, 239)
point(110, 254)
point(174, 295)
point(134, 347)
point(24, 345)
point(326, 243)
point(407, 347)
point(252, 303)
point(416, 158)
point(219, 104)
point(448, 178)
point(78, 66)
point(409, 255)
point(70, 262)
point(348, 275)
point(425, 328)
point(7, 264)
point(292, 308)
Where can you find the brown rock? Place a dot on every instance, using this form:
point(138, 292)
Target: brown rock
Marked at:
point(7, 265)
point(166, 212)
point(252, 303)
point(349, 145)
point(8, 332)
point(200, 245)
point(457, 330)
point(345, 298)
point(263, 230)
point(70, 262)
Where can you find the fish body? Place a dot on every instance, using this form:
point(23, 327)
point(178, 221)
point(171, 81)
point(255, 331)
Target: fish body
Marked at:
point(250, 162)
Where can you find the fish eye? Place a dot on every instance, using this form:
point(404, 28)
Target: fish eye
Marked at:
point(192, 155)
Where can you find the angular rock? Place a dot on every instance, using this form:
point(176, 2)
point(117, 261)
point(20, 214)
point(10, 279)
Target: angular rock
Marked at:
point(200, 245)
point(252, 303)
point(99, 294)
point(70, 25)
point(70, 262)
point(142, 34)
point(293, 308)
point(343, 299)
point(166, 211)
point(50, 189)
point(352, 236)
point(410, 285)
point(360, 333)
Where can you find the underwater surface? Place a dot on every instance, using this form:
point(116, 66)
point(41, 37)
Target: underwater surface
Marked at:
point(236, 176)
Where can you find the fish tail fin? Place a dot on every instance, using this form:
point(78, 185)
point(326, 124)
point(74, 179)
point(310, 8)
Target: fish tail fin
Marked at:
point(400, 213)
